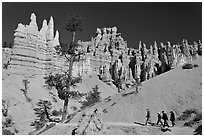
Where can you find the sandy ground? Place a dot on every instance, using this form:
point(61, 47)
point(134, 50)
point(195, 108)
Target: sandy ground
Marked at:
point(121, 129)
point(21, 110)
point(175, 90)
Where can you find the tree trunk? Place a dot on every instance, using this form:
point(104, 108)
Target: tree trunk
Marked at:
point(64, 114)
point(46, 113)
point(137, 84)
point(73, 36)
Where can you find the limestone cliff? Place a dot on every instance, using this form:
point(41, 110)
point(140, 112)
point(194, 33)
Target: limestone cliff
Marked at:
point(33, 49)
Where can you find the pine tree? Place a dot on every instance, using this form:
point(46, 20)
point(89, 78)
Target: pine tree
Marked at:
point(92, 97)
point(74, 23)
point(43, 113)
point(72, 54)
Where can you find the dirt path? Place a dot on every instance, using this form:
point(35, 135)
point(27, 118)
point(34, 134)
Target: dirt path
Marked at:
point(174, 130)
point(180, 131)
point(121, 124)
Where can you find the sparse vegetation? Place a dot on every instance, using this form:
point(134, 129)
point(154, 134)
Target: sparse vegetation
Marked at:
point(91, 98)
point(52, 95)
point(187, 116)
point(55, 113)
point(5, 65)
point(195, 65)
point(112, 62)
point(63, 82)
point(74, 108)
point(195, 120)
point(60, 83)
point(7, 122)
point(25, 90)
point(4, 108)
point(6, 57)
point(187, 66)
point(6, 45)
point(198, 130)
point(43, 113)
point(7, 132)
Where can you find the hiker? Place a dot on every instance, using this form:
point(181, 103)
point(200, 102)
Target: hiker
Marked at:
point(148, 117)
point(172, 118)
point(74, 131)
point(165, 118)
point(159, 119)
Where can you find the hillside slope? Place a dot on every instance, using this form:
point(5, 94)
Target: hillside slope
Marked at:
point(21, 110)
point(177, 90)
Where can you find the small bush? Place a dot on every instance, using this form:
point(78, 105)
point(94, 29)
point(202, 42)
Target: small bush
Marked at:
point(16, 130)
point(38, 124)
point(186, 114)
point(91, 98)
point(195, 65)
point(25, 83)
point(4, 108)
point(198, 130)
point(7, 122)
point(195, 120)
point(55, 113)
point(198, 117)
point(187, 66)
point(25, 90)
point(7, 126)
point(7, 132)
point(74, 108)
point(43, 113)
point(5, 65)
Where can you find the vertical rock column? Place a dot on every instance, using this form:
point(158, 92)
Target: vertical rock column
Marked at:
point(33, 51)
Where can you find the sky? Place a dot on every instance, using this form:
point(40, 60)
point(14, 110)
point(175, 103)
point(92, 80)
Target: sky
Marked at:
point(136, 21)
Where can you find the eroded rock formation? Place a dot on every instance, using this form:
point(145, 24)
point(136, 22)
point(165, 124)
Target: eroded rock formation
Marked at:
point(106, 54)
point(90, 122)
point(33, 49)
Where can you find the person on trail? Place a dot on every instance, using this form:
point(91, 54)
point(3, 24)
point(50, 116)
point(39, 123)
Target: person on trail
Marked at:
point(165, 118)
point(172, 118)
point(74, 131)
point(148, 117)
point(159, 119)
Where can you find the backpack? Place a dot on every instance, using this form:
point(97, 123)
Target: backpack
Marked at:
point(165, 117)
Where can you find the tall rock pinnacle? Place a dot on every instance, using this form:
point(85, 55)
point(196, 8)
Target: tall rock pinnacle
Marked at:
point(51, 28)
point(44, 27)
point(33, 23)
point(56, 39)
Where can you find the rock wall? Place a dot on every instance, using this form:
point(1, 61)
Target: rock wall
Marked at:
point(33, 49)
point(34, 54)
